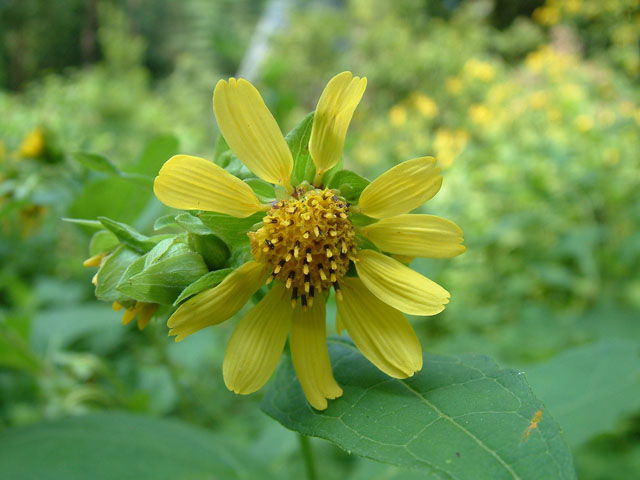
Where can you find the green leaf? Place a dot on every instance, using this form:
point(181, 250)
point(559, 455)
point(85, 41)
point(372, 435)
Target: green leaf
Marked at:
point(192, 224)
point(163, 273)
point(349, 183)
point(298, 141)
point(102, 241)
point(459, 417)
point(107, 446)
point(205, 282)
point(590, 388)
point(128, 235)
point(96, 162)
point(231, 229)
point(111, 272)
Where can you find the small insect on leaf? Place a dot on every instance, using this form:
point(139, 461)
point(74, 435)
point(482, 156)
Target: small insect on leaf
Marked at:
point(535, 420)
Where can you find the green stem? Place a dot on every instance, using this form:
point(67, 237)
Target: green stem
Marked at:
point(307, 456)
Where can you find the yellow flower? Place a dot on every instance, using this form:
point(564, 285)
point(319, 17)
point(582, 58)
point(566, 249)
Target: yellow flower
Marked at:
point(478, 70)
point(398, 115)
point(306, 245)
point(453, 85)
point(480, 114)
point(425, 105)
point(583, 122)
point(448, 144)
point(32, 145)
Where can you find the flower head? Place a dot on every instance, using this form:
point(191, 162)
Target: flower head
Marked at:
point(308, 245)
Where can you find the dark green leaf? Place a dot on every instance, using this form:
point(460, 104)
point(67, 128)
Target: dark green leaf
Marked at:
point(590, 388)
point(213, 250)
point(128, 235)
point(111, 446)
point(349, 183)
point(220, 148)
point(462, 418)
point(96, 162)
point(231, 229)
point(298, 141)
point(205, 282)
point(111, 272)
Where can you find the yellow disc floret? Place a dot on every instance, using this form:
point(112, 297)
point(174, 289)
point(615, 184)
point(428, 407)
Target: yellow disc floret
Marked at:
point(308, 240)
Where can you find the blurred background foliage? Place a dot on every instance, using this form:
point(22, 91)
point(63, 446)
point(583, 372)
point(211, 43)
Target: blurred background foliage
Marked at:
point(530, 107)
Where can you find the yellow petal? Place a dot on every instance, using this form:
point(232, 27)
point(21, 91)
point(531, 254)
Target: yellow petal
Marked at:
point(148, 311)
point(217, 304)
point(131, 313)
point(416, 236)
point(401, 188)
point(251, 131)
point(333, 114)
point(311, 357)
point(399, 286)
point(192, 183)
point(380, 332)
point(257, 342)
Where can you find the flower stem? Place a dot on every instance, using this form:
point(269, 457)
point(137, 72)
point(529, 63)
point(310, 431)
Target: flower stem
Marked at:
point(307, 455)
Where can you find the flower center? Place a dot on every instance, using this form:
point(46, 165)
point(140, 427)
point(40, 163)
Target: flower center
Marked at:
point(308, 240)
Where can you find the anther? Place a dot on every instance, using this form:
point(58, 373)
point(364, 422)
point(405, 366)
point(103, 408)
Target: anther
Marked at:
point(328, 215)
point(343, 216)
point(305, 235)
point(333, 233)
point(334, 266)
point(323, 276)
point(327, 251)
point(344, 247)
point(270, 279)
point(333, 277)
point(279, 267)
point(289, 255)
point(304, 302)
point(309, 258)
point(295, 249)
point(290, 279)
point(336, 287)
point(294, 296)
point(305, 269)
point(269, 244)
point(316, 230)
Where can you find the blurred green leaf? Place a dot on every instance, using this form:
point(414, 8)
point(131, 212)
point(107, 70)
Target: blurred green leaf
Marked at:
point(231, 229)
point(589, 389)
point(128, 235)
point(118, 445)
point(163, 273)
point(205, 282)
point(349, 183)
point(298, 141)
point(463, 418)
point(220, 148)
point(15, 351)
point(96, 162)
point(157, 151)
point(102, 241)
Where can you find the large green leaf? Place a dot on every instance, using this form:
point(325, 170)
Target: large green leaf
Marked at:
point(231, 229)
point(463, 418)
point(121, 446)
point(588, 389)
point(96, 162)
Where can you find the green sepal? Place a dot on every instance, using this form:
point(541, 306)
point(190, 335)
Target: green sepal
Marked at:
point(349, 183)
point(231, 229)
point(160, 275)
point(265, 192)
point(165, 221)
point(365, 243)
point(192, 224)
point(298, 141)
point(213, 250)
point(128, 235)
point(205, 282)
point(112, 271)
point(102, 241)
